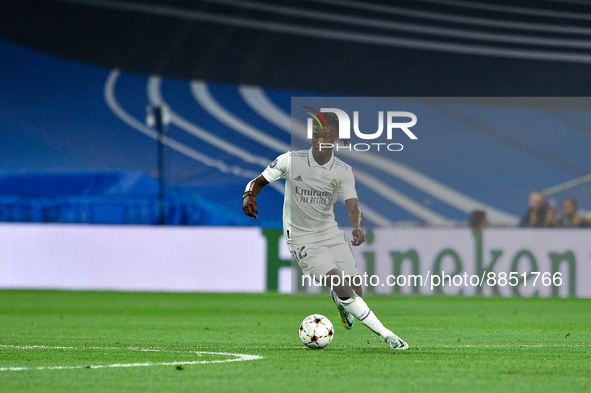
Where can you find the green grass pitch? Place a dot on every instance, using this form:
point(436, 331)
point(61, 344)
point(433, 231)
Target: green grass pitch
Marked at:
point(57, 341)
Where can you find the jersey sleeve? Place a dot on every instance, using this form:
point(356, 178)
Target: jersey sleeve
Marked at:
point(347, 189)
point(277, 169)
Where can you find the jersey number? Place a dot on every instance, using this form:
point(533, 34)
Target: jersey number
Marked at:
point(299, 253)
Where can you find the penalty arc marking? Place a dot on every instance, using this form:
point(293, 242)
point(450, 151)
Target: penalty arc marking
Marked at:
point(232, 357)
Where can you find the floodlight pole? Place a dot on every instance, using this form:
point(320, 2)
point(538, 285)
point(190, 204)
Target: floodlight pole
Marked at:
point(160, 152)
point(155, 119)
point(158, 117)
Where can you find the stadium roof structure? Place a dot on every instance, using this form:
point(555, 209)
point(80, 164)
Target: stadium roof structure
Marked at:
point(349, 47)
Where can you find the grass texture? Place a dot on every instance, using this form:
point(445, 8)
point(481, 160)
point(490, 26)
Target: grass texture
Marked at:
point(56, 341)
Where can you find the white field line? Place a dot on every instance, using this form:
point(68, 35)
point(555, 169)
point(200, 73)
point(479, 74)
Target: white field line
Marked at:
point(377, 345)
point(235, 357)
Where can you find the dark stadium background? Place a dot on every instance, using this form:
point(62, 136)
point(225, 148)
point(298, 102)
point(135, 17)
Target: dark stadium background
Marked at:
point(184, 49)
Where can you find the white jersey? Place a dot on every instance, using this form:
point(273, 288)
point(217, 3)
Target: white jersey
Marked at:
point(310, 193)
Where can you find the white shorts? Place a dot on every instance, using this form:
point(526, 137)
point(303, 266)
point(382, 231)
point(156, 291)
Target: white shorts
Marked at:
point(317, 259)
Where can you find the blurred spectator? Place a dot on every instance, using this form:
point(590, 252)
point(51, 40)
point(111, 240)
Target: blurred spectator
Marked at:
point(539, 214)
point(478, 219)
point(550, 220)
point(568, 217)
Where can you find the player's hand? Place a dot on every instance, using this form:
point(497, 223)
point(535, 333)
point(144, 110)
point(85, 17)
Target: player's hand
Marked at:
point(249, 205)
point(358, 237)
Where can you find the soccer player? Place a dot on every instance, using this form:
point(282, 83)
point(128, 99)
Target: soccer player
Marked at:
point(314, 180)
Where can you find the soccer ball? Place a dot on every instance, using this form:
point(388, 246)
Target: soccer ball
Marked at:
point(316, 331)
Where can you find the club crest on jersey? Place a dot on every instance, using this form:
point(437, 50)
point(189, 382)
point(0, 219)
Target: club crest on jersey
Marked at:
point(333, 183)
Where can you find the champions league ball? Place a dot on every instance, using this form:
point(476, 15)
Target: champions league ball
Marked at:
point(316, 331)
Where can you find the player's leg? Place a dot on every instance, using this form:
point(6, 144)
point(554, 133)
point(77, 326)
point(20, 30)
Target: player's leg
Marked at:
point(315, 260)
point(346, 318)
point(356, 306)
point(319, 260)
point(353, 303)
point(345, 263)
point(341, 252)
point(357, 288)
point(349, 295)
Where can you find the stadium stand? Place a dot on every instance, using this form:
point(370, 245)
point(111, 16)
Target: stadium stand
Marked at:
point(220, 136)
point(103, 198)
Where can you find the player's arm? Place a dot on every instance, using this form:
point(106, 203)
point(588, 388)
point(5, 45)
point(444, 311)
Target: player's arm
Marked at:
point(253, 188)
point(356, 221)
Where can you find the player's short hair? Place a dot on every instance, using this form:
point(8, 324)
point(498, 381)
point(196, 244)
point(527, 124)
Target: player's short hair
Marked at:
point(332, 121)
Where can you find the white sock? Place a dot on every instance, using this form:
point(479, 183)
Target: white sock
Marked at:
point(361, 311)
